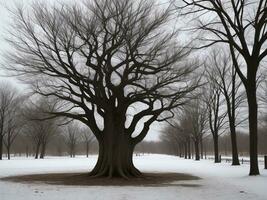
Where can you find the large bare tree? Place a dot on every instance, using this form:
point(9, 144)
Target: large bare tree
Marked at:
point(111, 63)
point(241, 25)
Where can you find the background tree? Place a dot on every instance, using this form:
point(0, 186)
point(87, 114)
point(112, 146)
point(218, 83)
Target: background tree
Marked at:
point(100, 60)
point(87, 138)
point(38, 127)
point(241, 25)
point(72, 137)
point(14, 121)
point(224, 75)
point(195, 114)
point(8, 99)
point(215, 112)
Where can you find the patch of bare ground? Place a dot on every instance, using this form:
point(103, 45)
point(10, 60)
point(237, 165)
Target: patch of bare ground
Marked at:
point(83, 179)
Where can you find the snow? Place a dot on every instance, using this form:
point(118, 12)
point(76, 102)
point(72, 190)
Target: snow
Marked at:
point(218, 181)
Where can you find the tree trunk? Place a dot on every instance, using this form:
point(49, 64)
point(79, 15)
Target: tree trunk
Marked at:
point(253, 128)
point(43, 149)
point(185, 150)
point(189, 149)
point(235, 159)
point(216, 149)
point(87, 149)
point(8, 152)
point(115, 158)
point(37, 151)
point(197, 156)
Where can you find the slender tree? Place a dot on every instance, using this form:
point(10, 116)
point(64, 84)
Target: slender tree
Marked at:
point(101, 59)
point(241, 25)
point(14, 122)
point(225, 76)
point(72, 137)
point(195, 114)
point(8, 98)
point(216, 115)
point(87, 138)
point(37, 127)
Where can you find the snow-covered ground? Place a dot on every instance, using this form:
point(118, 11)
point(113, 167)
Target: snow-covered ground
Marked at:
point(218, 181)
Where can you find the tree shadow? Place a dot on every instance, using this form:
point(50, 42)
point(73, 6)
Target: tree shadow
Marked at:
point(82, 179)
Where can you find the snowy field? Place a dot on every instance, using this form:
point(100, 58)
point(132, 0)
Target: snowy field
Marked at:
point(218, 181)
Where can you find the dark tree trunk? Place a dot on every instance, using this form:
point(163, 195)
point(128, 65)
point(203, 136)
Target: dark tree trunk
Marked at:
point(235, 159)
point(197, 156)
point(216, 149)
point(180, 150)
point(185, 150)
point(43, 149)
point(37, 151)
point(115, 158)
point(189, 149)
point(253, 128)
point(8, 152)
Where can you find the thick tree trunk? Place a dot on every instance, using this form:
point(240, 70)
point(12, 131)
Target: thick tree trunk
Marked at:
point(197, 156)
point(216, 149)
point(253, 128)
point(115, 158)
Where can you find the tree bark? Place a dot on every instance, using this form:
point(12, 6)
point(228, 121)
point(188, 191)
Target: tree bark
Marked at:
point(115, 158)
point(253, 127)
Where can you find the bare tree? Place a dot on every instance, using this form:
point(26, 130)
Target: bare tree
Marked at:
point(13, 123)
point(216, 114)
point(8, 99)
point(72, 137)
point(173, 136)
point(87, 138)
point(224, 75)
point(196, 116)
point(101, 59)
point(37, 127)
point(242, 26)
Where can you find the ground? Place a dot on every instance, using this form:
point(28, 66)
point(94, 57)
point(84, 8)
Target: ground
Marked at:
point(216, 181)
